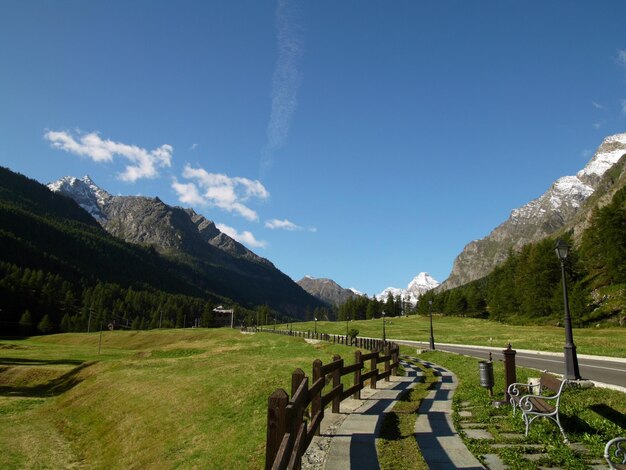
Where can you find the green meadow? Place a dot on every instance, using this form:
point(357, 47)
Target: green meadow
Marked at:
point(195, 398)
point(473, 331)
point(152, 399)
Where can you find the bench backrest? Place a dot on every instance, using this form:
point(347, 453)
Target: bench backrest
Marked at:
point(551, 382)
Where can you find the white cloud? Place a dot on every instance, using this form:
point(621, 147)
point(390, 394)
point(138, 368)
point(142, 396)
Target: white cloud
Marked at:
point(621, 58)
point(282, 224)
point(245, 237)
point(187, 193)
point(193, 147)
point(143, 163)
point(219, 190)
point(286, 224)
point(597, 105)
point(624, 106)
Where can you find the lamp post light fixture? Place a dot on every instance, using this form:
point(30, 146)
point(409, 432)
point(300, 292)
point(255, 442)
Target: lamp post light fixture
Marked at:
point(432, 336)
point(384, 332)
point(315, 325)
point(571, 360)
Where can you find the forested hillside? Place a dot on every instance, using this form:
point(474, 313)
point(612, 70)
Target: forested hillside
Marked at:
point(527, 287)
point(61, 271)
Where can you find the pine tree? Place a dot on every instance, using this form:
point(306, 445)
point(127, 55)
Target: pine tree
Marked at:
point(26, 323)
point(45, 325)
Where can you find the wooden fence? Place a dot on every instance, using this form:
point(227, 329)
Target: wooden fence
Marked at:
point(372, 344)
point(288, 432)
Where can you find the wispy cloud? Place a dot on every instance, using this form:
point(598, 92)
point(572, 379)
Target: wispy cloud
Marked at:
point(597, 105)
point(621, 58)
point(143, 163)
point(284, 224)
point(597, 125)
point(219, 190)
point(245, 237)
point(623, 106)
point(287, 77)
point(193, 147)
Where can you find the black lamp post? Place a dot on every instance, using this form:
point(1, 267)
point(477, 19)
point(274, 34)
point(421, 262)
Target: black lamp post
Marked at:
point(571, 360)
point(432, 337)
point(384, 332)
point(315, 325)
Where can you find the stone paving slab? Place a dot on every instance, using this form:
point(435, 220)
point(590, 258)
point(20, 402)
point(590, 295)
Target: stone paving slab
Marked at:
point(478, 434)
point(494, 462)
point(436, 436)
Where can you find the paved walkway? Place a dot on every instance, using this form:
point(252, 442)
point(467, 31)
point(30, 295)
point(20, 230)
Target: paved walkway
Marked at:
point(348, 439)
point(436, 436)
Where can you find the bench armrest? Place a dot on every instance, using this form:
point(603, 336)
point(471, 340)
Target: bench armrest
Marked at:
point(516, 389)
point(618, 454)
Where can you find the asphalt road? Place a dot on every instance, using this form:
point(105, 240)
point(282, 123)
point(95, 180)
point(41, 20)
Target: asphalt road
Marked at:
point(601, 370)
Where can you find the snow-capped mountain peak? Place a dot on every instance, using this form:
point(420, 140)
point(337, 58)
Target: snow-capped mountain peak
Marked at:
point(85, 192)
point(420, 284)
point(607, 155)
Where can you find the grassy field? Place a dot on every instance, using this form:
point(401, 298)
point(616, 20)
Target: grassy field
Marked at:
point(598, 341)
point(197, 398)
point(156, 399)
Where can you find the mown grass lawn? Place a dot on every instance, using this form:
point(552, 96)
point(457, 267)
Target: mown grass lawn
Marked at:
point(473, 331)
point(152, 399)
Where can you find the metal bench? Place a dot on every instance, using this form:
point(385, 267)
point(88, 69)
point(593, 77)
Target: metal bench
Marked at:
point(615, 453)
point(544, 404)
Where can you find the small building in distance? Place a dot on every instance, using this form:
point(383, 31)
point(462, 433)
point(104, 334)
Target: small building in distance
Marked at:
point(223, 317)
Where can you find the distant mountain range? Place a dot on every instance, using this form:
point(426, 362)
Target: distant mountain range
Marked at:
point(421, 284)
point(559, 207)
point(332, 293)
point(226, 267)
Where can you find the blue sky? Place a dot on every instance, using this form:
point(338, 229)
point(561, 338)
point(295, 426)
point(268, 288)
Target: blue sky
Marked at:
point(357, 140)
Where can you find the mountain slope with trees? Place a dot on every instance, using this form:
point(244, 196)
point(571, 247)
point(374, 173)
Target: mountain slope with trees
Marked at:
point(60, 267)
point(527, 287)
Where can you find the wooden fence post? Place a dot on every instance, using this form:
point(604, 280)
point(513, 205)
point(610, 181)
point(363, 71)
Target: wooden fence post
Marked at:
point(316, 401)
point(276, 425)
point(374, 366)
point(296, 378)
point(357, 374)
point(337, 383)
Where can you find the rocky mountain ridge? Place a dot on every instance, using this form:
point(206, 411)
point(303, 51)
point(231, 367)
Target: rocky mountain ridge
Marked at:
point(149, 221)
point(540, 218)
point(222, 264)
point(326, 290)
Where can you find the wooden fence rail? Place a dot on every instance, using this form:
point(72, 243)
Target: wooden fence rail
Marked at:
point(371, 344)
point(288, 433)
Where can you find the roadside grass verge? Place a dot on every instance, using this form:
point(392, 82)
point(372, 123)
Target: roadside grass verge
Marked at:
point(396, 444)
point(479, 332)
point(590, 418)
point(152, 399)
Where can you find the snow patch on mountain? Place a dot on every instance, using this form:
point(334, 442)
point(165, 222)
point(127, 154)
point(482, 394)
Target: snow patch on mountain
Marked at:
point(607, 155)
